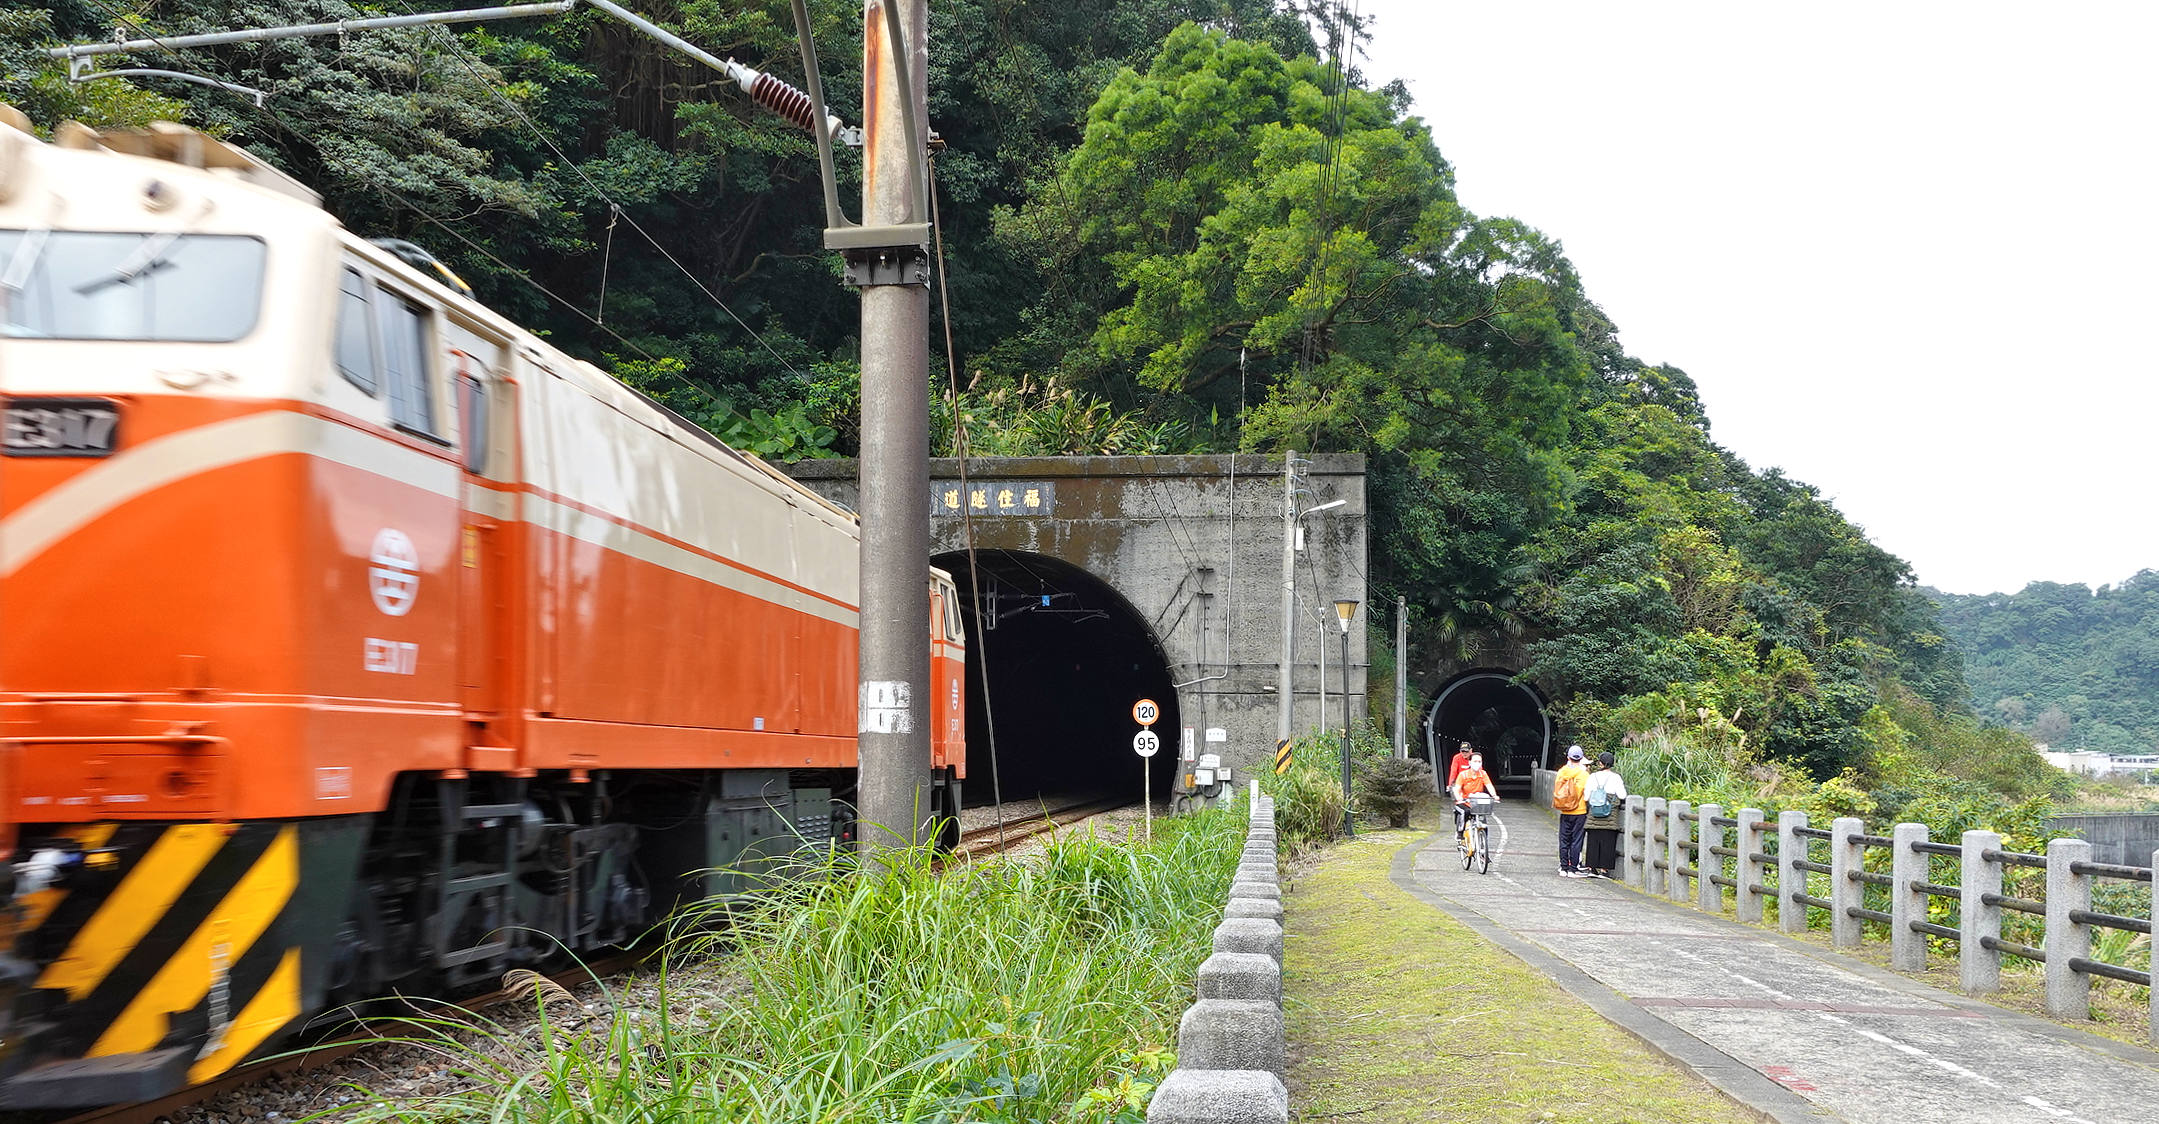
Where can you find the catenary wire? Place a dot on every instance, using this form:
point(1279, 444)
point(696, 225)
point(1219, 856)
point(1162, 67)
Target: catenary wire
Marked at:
point(967, 515)
point(279, 120)
point(464, 58)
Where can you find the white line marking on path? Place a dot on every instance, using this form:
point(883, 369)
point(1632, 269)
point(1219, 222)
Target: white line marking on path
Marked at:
point(1943, 1064)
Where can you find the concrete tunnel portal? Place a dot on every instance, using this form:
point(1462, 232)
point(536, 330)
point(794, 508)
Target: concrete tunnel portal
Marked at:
point(1065, 657)
point(1506, 720)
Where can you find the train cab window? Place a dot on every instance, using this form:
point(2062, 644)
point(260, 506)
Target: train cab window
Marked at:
point(403, 329)
point(954, 629)
point(472, 421)
point(100, 285)
point(355, 335)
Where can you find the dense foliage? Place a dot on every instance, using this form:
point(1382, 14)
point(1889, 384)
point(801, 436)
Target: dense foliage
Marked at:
point(2073, 667)
point(1172, 227)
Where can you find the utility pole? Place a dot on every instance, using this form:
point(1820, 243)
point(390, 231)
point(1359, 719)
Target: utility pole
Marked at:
point(895, 616)
point(1283, 687)
point(1401, 678)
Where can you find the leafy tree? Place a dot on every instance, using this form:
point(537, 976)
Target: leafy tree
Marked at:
point(39, 85)
point(2070, 665)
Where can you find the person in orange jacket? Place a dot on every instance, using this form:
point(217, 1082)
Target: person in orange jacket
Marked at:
point(1471, 779)
point(1570, 798)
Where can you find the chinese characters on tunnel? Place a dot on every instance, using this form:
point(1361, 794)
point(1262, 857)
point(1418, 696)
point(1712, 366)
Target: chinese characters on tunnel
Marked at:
point(1004, 497)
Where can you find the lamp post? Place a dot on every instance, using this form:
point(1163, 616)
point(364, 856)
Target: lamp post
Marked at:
point(1345, 610)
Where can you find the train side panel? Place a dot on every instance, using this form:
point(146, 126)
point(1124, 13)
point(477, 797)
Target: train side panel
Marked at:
point(674, 599)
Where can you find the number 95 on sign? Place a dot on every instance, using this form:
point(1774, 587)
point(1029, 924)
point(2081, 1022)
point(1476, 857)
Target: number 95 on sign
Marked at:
point(1146, 743)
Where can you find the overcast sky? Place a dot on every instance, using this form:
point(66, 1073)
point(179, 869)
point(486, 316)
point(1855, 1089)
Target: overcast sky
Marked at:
point(1907, 250)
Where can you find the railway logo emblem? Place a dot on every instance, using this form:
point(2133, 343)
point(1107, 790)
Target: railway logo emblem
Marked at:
point(393, 577)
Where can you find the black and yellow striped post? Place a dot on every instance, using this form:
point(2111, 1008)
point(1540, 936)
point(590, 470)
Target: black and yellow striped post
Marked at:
point(1282, 757)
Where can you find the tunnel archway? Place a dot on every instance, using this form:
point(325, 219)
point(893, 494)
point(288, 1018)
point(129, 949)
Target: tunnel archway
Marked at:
point(1509, 722)
point(1065, 657)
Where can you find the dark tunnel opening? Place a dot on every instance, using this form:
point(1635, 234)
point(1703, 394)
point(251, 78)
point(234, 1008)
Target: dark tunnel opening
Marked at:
point(1504, 720)
point(1066, 657)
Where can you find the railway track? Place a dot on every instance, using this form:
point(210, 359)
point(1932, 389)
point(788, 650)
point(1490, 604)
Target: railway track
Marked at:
point(987, 840)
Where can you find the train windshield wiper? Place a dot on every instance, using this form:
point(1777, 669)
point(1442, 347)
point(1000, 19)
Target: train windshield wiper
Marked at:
point(24, 260)
point(148, 258)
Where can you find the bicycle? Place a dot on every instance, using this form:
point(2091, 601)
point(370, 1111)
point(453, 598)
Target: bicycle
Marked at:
point(1475, 840)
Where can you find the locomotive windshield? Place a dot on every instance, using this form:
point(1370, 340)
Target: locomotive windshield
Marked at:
point(94, 285)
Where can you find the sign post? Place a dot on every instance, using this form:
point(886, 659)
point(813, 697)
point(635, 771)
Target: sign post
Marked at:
point(1146, 743)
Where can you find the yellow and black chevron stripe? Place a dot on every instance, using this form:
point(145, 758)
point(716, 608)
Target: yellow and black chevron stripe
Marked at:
point(179, 954)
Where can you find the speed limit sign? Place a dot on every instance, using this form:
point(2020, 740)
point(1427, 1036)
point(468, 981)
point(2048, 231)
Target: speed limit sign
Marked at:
point(1146, 713)
point(1146, 742)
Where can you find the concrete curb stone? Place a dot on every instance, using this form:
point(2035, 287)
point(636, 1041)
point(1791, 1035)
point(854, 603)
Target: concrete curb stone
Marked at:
point(1219, 1096)
point(1232, 1034)
point(1240, 975)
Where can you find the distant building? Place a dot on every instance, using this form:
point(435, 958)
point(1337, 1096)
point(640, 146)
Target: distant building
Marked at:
point(2092, 763)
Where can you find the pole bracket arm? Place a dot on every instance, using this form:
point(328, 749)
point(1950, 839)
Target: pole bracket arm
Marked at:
point(883, 255)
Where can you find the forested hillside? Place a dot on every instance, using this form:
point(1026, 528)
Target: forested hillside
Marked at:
point(1171, 227)
point(2073, 667)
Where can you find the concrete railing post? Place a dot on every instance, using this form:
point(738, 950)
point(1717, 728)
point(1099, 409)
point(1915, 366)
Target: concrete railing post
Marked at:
point(1678, 850)
point(2155, 960)
point(1630, 840)
point(1907, 864)
point(1218, 1096)
point(1654, 814)
point(1846, 893)
point(1979, 968)
point(1230, 1048)
point(1708, 896)
point(1749, 842)
point(2069, 992)
point(1791, 849)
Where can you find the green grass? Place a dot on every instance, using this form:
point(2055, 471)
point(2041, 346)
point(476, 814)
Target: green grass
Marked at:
point(1039, 989)
point(1397, 1012)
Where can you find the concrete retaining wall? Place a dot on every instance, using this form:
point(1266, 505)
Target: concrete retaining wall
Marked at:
point(1231, 1053)
point(2124, 837)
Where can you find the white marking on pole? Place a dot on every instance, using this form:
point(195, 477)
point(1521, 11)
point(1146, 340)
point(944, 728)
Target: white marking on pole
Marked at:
point(887, 707)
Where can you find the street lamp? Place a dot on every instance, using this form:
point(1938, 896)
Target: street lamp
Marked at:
point(1345, 610)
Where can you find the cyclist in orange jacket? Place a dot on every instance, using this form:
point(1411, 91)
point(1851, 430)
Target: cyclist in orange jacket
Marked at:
point(1471, 779)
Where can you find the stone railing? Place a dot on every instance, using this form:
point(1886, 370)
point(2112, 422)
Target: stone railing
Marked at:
point(1696, 854)
point(1230, 1048)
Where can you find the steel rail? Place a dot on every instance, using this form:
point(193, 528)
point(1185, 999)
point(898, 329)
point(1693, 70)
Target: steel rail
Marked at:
point(1936, 889)
point(2014, 858)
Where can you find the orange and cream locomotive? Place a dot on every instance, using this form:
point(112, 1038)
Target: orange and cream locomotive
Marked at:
point(352, 638)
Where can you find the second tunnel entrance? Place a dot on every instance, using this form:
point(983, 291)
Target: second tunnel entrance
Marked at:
point(1505, 720)
point(1066, 656)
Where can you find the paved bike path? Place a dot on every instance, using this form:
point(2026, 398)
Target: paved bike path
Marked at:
point(1797, 1032)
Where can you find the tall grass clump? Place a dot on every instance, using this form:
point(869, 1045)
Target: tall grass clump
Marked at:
point(1043, 988)
point(1308, 798)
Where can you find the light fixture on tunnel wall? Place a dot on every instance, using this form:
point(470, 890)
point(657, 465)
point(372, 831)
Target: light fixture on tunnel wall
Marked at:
point(1345, 610)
